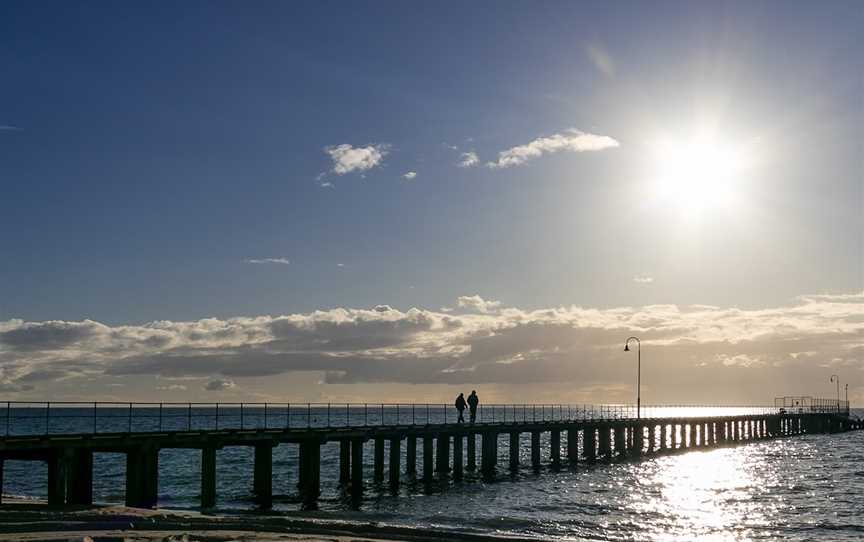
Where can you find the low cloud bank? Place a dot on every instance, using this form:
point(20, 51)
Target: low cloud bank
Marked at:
point(481, 341)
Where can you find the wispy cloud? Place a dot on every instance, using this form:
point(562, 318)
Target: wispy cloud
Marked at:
point(409, 175)
point(477, 303)
point(282, 261)
point(347, 158)
point(643, 279)
point(601, 59)
point(220, 385)
point(9, 128)
point(572, 140)
point(468, 159)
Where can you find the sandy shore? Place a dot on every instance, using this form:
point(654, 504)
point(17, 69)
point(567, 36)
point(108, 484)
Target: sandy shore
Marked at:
point(31, 521)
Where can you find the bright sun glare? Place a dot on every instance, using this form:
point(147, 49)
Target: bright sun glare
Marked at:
point(697, 175)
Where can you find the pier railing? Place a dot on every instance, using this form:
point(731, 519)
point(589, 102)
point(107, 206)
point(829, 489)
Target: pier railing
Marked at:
point(19, 418)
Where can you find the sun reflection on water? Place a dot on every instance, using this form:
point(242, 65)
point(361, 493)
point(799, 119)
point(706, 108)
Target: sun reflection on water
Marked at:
point(710, 495)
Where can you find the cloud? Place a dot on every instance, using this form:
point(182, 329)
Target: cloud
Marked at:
point(601, 60)
point(347, 158)
point(468, 159)
point(281, 261)
point(327, 184)
point(572, 140)
point(171, 387)
point(643, 279)
point(219, 385)
point(409, 175)
point(745, 354)
point(477, 303)
point(9, 128)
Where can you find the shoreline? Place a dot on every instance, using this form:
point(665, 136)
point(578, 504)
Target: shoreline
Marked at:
point(31, 520)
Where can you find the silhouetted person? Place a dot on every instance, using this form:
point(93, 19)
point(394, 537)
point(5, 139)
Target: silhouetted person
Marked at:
point(473, 401)
point(460, 406)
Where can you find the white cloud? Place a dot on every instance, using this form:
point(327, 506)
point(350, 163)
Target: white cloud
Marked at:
point(281, 261)
point(468, 159)
point(477, 303)
point(643, 279)
point(740, 351)
point(347, 158)
point(171, 387)
point(572, 140)
point(409, 175)
point(219, 384)
point(601, 59)
point(340, 265)
point(327, 184)
point(8, 128)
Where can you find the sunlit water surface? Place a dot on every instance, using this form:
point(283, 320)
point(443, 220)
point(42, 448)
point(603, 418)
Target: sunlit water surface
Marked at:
point(801, 488)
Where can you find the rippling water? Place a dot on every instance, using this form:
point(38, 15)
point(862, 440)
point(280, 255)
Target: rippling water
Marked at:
point(799, 488)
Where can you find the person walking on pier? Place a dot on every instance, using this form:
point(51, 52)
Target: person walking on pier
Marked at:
point(460, 406)
point(473, 401)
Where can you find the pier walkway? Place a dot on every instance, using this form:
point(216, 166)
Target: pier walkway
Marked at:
point(66, 435)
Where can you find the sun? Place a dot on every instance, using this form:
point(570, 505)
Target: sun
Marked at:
point(696, 175)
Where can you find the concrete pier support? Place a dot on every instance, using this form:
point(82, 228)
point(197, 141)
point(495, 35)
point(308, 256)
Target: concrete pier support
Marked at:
point(620, 449)
point(555, 448)
point(589, 443)
point(310, 473)
point(514, 451)
point(663, 444)
point(356, 468)
point(80, 479)
point(638, 439)
point(59, 467)
point(428, 455)
point(458, 459)
point(535, 450)
point(572, 446)
point(411, 455)
point(344, 461)
point(208, 477)
point(489, 453)
point(142, 477)
point(689, 433)
point(2, 460)
point(378, 461)
point(442, 454)
point(262, 477)
point(471, 450)
point(604, 443)
point(393, 465)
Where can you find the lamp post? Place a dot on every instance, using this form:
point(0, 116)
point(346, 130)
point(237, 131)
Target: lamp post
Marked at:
point(638, 371)
point(835, 378)
point(847, 398)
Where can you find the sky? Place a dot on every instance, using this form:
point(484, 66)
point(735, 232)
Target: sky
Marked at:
point(398, 201)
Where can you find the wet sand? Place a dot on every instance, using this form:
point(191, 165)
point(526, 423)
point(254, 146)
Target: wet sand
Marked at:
point(31, 521)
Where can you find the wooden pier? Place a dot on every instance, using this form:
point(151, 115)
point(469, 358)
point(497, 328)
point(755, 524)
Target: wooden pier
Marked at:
point(449, 449)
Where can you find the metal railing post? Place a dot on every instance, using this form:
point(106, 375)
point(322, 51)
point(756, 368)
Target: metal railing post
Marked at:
point(189, 417)
point(160, 416)
point(308, 415)
point(129, 428)
point(217, 416)
point(94, 417)
point(8, 416)
point(265, 416)
point(241, 416)
point(328, 414)
point(47, 417)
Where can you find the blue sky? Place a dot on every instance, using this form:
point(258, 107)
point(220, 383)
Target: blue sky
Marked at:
point(149, 152)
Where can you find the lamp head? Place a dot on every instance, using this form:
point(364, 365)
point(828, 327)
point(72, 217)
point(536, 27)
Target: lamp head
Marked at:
point(627, 347)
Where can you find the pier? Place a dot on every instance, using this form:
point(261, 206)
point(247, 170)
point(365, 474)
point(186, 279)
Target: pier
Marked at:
point(66, 435)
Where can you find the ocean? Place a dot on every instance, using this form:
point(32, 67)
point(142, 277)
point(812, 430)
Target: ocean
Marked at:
point(797, 488)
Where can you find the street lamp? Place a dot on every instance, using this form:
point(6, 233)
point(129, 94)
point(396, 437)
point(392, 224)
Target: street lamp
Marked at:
point(835, 378)
point(847, 398)
point(638, 371)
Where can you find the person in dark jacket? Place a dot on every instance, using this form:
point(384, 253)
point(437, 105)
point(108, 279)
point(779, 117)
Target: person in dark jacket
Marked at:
point(460, 406)
point(473, 401)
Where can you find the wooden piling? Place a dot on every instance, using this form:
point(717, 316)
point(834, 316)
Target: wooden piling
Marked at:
point(208, 477)
point(394, 466)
